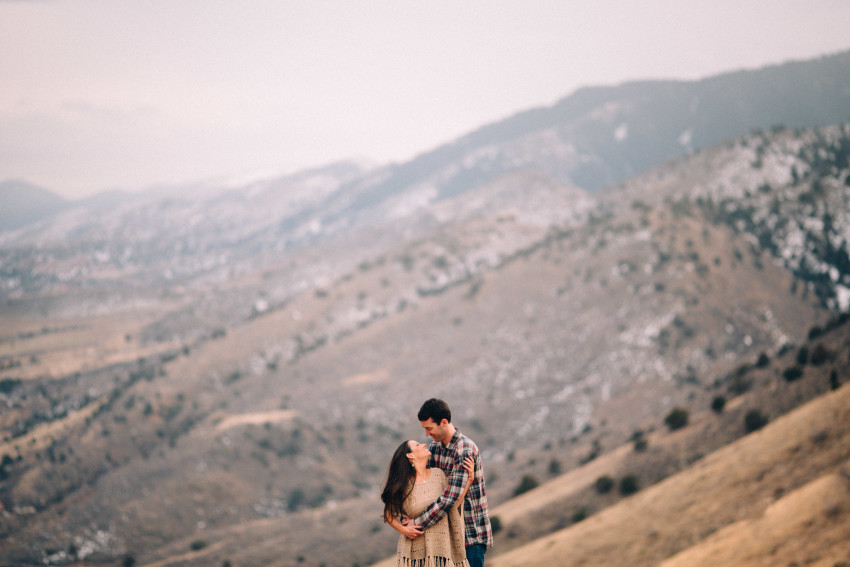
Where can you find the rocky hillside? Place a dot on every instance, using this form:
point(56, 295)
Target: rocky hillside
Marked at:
point(776, 495)
point(204, 379)
point(170, 396)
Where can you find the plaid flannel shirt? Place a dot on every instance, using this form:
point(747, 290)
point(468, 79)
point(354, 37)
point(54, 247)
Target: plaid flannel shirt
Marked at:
point(476, 516)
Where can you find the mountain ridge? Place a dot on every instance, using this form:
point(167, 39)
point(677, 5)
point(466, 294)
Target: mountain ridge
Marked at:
point(22, 203)
point(559, 323)
point(599, 135)
point(180, 375)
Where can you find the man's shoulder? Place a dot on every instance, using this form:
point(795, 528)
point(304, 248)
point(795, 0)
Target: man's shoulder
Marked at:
point(464, 443)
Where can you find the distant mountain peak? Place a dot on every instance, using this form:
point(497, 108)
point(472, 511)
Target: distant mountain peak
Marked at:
point(22, 203)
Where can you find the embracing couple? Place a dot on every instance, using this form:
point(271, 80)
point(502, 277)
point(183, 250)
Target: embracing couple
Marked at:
point(434, 496)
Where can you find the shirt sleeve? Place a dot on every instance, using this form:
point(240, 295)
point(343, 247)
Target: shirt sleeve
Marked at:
point(438, 510)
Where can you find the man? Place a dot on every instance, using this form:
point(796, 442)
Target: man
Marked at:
point(448, 451)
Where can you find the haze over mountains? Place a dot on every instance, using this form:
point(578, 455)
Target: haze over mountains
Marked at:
point(216, 376)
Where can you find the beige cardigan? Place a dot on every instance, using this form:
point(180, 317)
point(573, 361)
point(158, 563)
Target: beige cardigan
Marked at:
point(441, 545)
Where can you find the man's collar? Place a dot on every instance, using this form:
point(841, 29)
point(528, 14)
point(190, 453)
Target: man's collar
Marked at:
point(453, 441)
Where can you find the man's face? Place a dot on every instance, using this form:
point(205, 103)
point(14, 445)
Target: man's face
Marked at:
point(436, 431)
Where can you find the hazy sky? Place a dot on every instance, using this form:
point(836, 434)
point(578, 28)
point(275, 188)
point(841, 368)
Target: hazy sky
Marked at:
point(100, 94)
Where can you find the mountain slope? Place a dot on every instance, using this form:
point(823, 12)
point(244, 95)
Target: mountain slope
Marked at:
point(190, 381)
point(22, 203)
point(227, 408)
point(599, 136)
point(777, 494)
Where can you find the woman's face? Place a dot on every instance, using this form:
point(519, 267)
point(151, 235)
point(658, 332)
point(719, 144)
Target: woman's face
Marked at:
point(418, 451)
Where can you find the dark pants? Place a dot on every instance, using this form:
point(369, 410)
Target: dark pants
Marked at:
point(475, 555)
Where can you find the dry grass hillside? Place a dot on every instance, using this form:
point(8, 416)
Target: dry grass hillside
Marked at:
point(777, 496)
point(245, 414)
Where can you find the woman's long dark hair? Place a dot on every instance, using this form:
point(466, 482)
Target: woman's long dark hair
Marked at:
point(398, 485)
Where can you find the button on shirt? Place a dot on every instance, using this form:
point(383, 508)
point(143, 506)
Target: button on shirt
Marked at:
point(476, 517)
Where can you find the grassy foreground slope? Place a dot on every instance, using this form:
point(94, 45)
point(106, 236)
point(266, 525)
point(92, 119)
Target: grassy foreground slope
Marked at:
point(776, 496)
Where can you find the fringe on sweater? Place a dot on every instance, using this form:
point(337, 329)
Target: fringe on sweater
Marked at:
point(431, 561)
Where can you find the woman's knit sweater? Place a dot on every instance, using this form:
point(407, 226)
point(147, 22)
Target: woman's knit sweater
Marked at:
point(441, 545)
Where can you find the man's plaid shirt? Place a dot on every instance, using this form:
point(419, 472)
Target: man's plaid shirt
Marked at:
point(476, 516)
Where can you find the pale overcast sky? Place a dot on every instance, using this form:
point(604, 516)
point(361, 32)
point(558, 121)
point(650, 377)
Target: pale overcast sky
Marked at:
point(101, 94)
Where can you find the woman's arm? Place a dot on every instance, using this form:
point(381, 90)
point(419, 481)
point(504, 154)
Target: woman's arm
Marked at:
point(469, 465)
point(408, 530)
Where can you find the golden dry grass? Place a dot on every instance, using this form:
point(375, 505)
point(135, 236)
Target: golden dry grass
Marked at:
point(783, 485)
point(74, 345)
point(777, 496)
point(257, 418)
point(44, 434)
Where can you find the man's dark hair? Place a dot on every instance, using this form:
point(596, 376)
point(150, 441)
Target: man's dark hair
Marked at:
point(435, 409)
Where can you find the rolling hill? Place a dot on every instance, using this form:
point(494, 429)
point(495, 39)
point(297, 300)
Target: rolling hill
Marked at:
point(197, 381)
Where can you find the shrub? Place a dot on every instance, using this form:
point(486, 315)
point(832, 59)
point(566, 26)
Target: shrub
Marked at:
point(579, 515)
point(9, 384)
point(833, 380)
point(717, 404)
point(198, 544)
point(762, 361)
point(604, 484)
point(754, 420)
point(629, 485)
point(792, 373)
point(495, 524)
point(803, 356)
point(820, 355)
point(786, 348)
point(676, 419)
point(295, 499)
point(554, 467)
point(528, 482)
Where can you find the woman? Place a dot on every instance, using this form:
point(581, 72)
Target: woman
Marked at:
point(410, 488)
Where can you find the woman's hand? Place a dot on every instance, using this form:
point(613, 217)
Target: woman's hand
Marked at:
point(411, 531)
point(469, 465)
point(405, 527)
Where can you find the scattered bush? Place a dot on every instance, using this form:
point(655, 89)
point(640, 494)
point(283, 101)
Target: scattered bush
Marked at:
point(639, 441)
point(820, 355)
point(803, 356)
point(295, 500)
point(676, 419)
point(717, 404)
point(604, 484)
point(792, 373)
point(528, 482)
point(754, 420)
point(579, 515)
point(629, 485)
point(495, 524)
point(833, 380)
point(8, 384)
